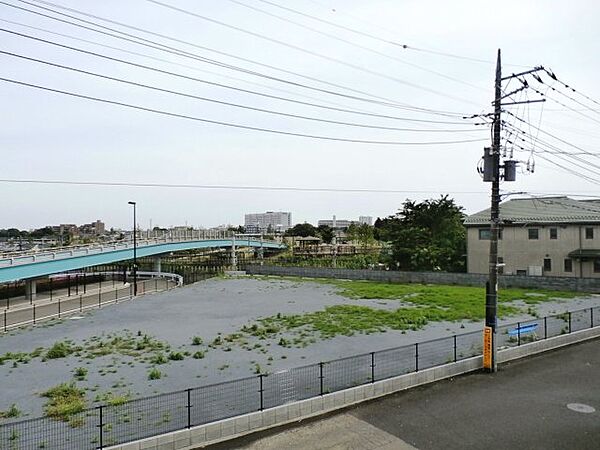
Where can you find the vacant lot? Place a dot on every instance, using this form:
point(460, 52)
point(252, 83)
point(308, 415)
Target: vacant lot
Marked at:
point(229, 328)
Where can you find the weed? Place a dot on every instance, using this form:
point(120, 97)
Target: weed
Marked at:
point(159, 358)
point(197, 340)
point(154, 374)
point(11, 412)
point(176, 356)
point(198, 355)
point(65, 400)
point(59, 350)
point(81, 373)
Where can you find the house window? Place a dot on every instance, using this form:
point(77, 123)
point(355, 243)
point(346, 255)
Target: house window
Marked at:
point(485, 234)
point(534, 233)
point(553, 233)
point(568, 265)
point(521, 272)
point(547, 265)
point(589, 233)
point(596, 265)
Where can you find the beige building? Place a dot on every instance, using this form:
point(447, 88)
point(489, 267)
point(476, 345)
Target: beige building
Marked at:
point(552, 236)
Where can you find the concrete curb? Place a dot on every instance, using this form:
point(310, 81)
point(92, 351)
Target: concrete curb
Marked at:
point(226, 429)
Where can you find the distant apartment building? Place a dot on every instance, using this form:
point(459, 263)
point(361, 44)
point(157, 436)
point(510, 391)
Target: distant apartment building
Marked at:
point(96, 228)
point(555, 236)
point(342, 224)
point(270, 221)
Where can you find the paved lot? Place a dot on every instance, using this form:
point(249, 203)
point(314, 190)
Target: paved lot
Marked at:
point(523, 406)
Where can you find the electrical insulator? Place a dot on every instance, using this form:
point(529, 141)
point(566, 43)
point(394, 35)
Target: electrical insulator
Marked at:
point(510, 170)
point(488, 165)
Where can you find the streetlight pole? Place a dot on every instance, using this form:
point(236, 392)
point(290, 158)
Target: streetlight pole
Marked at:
point(134, 249)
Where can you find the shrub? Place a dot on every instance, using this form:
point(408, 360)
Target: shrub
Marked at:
point(197, 340)
point(198, 355)
point(81, 373)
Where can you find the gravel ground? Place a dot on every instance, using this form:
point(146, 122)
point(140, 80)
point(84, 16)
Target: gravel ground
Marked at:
point(203, 309)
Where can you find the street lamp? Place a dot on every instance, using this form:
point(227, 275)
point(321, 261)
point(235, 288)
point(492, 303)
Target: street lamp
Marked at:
point(134, 251)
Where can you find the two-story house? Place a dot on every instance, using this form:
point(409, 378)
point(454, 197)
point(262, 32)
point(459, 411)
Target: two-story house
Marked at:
point(551, 236)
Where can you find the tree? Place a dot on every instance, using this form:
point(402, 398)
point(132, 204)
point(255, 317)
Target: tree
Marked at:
point(302, 230)
point(426, 236)
point(326, 233)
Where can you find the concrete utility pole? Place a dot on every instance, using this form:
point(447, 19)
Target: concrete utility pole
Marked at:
point(491, 300)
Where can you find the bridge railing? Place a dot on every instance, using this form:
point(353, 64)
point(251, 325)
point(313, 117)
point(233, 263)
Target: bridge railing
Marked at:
point(13, 259)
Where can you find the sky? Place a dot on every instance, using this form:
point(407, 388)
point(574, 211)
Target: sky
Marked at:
point(50, 136)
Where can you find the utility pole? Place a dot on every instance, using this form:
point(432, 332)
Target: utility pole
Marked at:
point(493, 171)
point(491, 300)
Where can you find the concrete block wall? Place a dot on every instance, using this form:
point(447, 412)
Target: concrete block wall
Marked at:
point(200, 436)
point(465, 279)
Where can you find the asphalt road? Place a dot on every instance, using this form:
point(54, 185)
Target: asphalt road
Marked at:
point(523, 406)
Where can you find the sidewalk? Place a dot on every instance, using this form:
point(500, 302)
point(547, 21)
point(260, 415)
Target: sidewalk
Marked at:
point(524, 405)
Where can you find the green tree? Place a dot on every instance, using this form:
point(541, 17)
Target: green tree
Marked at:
point(302, 230)
point(426, 236)
point(326, 233)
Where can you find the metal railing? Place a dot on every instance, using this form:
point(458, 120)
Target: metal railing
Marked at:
point(108, 425)
point(31, 314)
point(28, 257)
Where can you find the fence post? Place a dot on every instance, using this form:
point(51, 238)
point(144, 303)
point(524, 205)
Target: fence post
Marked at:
point(156, 284)
point(261, 390)
point(416, 356)
point(80, 304)
point(5, 321)
point(518, 333)
point(101, 426)
point(50, 280)
point(189, 408)
point(372, 367)
point(545, 327)
point(592, 317)
point(321, 376)
point(569, 321)
point(116, 296)
point(34, 313)
point(59, 307)
point(454, 339)
point(99, 298)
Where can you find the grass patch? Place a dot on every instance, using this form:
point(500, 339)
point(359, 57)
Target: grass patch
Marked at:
point(80, 373)
point(64, 401)
point(427, 303)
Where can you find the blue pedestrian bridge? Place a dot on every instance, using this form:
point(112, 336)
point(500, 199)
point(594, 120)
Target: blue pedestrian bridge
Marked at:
point(29, 265)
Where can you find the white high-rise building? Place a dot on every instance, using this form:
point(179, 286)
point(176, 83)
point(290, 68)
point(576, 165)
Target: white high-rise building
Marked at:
point(366, 220)
point(273, 221)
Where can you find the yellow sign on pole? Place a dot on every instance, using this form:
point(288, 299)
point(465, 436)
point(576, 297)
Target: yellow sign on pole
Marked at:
point(487, 347)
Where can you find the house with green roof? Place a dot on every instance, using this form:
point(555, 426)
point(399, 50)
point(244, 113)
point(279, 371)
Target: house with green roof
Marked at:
point(548, 236)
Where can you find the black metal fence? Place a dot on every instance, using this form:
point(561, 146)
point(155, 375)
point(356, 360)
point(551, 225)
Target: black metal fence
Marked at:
point(114, 424)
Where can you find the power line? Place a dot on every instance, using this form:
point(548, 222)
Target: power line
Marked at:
point(338, 38)
point(310, 52)
point(220, 102)
point(230, 124)
point(110, 58)
point(173, 50)
point(226, 187)
point(197, 69)
point(388, 41)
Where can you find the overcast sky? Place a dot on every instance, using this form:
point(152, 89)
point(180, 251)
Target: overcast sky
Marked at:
point(48, 136)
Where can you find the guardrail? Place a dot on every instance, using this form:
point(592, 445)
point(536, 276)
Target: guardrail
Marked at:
point(108, 425)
